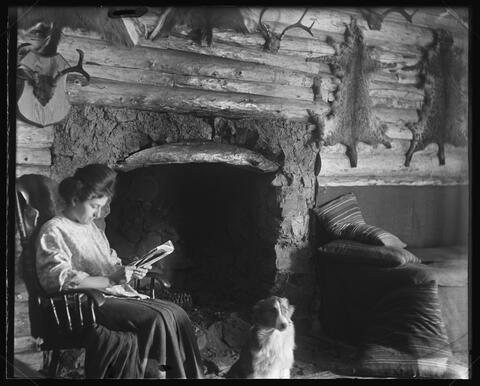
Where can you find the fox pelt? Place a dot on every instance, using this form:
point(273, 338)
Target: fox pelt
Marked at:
point(351, 120)
point(443, 117)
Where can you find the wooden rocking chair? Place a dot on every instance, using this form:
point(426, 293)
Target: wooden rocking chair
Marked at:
point(63, 319)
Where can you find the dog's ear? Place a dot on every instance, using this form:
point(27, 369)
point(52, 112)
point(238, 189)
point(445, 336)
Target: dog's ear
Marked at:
point(288, 307)
point(291, 310)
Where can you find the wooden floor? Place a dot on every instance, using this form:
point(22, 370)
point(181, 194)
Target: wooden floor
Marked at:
point(314, 358)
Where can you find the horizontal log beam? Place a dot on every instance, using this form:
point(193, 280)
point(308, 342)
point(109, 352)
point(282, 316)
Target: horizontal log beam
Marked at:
point(43, 170)
point(399, 91)
point(33, 156)
point(177, 62)
point(383, 93)
point(397, 116)
point(256, 55)
point(424, 17)
point(293, 50)
point(112, 59)
point(181, 153)
point(204, 103)
point(29, 136)
point(396, 103)
point(333, 21)
point(243, 53)
point(382, 166)
point(396, 96)
point(163, 79)
point(406, 178)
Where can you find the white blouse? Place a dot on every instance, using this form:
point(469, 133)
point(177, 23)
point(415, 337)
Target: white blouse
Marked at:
point(67, 252)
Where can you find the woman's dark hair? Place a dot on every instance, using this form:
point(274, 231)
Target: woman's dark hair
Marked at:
point(91, 181)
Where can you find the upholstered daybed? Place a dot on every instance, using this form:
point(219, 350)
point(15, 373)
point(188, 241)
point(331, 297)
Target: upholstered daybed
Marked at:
point(405, 310)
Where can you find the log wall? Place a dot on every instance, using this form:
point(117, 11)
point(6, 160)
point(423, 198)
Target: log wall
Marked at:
point(235, 78)
point(33, 153)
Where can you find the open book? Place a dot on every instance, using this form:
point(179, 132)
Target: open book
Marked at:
point(154, 255)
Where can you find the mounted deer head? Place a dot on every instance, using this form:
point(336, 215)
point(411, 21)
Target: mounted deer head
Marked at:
point(272, 39)
point(375, 19)
point(45, 83)
point(40, 99)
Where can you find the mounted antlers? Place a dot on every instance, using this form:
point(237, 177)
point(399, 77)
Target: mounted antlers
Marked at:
point(272, 40)
point(44, 83)
point(78, 68)
point(375, 19)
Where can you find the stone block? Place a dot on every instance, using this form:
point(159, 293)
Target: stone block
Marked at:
point(294, 258)
point(280, 180)
point(214, 339)
point(235, 331)
point(300, 226)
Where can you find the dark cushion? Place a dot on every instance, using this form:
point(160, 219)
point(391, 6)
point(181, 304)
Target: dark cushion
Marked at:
point(406, 335)
point(347, 251)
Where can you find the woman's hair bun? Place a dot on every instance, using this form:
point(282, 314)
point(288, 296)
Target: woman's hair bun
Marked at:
point(94, 180)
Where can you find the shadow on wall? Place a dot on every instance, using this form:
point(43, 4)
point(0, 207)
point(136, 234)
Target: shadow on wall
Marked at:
point(421, 216)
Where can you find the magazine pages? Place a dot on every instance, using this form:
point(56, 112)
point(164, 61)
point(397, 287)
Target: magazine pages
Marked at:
point(154, 255)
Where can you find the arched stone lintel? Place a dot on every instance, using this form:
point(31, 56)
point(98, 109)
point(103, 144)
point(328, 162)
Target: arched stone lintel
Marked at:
point(198, 152)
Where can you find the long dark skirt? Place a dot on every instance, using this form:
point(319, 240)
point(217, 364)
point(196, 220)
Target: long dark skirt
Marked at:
point(165, 335)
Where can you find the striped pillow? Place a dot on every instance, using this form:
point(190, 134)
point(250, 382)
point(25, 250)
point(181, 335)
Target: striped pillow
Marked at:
point(343, 219)
point(339, 212)
point(370, 234)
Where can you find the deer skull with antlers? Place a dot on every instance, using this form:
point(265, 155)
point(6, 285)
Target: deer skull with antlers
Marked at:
point(40, 101)
point(272, 39)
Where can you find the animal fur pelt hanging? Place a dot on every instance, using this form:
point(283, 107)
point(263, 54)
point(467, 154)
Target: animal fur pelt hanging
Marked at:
point(201, 21)
point(443, 118)
point(49, 22)
point(351, 116)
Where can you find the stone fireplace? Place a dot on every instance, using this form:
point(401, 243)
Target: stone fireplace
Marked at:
point(237, 213)
point(223, 221)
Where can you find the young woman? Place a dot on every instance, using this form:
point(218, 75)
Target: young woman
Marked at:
point(72, 252)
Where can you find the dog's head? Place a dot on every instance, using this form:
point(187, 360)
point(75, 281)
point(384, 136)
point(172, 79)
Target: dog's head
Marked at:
point(273, 312)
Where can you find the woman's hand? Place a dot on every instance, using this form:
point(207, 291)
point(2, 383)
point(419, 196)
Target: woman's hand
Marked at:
point(140, 272)
point(125, 273)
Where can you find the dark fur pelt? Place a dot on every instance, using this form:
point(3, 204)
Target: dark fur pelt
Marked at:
point(351, 114)
point(443, 118)
point(55, 19)
point(201, 21)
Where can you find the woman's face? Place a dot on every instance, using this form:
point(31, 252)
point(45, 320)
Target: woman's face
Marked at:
point(87, 211)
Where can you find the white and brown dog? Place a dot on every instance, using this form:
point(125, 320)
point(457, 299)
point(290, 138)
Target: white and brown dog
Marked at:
point(268, 352)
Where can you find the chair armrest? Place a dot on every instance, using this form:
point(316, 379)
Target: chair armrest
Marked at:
point(94, 294)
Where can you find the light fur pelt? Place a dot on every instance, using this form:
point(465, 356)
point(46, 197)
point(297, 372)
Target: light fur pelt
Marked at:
point(268, 352)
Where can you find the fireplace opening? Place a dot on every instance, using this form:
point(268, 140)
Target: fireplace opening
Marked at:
point(223, 221)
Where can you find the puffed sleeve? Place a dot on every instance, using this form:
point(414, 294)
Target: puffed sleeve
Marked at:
point(54, 262)
point(113, 258)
